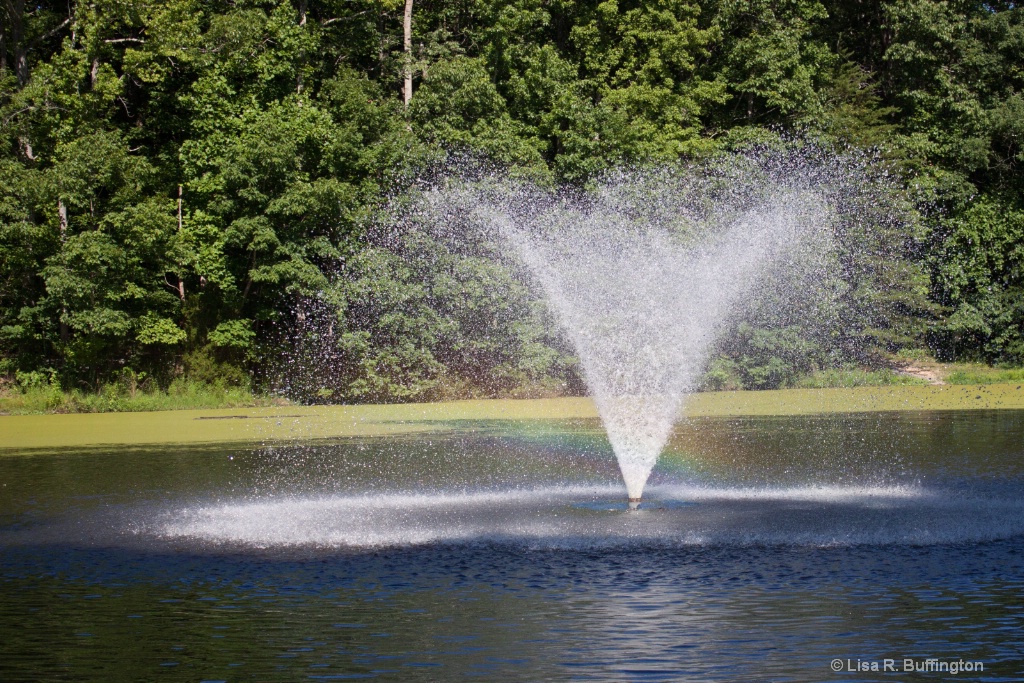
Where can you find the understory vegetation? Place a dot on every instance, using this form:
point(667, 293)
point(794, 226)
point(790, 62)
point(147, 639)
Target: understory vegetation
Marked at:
point(181, 394)
point(189, 188)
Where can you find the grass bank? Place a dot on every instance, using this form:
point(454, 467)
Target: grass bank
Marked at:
point(920, 364)
point(115, 398)
point(284, 423)
point(847, 379)
point(184, 394)
point(917, 372)
point(982, 374)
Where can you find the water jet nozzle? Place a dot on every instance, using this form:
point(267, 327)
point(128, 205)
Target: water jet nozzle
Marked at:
point(634, 503)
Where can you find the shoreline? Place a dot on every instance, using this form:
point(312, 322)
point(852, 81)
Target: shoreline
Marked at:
point(53, 432)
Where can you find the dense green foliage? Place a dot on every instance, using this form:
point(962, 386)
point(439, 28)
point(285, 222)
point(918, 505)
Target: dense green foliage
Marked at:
point(187, 188)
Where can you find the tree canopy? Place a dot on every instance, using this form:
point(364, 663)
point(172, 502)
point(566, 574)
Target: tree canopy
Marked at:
point(191, 187)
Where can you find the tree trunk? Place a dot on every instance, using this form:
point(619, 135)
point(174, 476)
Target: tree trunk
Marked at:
point(21, 65)
point(407, 42)
point(14, 38)
point(181, 283)
point(26, 149)
point(62, 217)
point(3, 46)
point(299, 82)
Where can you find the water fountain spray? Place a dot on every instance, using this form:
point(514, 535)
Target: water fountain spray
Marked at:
point(644, 271)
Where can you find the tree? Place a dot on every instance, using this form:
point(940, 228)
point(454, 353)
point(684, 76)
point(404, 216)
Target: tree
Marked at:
point(22, 32)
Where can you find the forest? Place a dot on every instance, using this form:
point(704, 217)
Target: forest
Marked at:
point(189, 188)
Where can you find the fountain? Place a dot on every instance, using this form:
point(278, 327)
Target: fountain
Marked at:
point(645, 270)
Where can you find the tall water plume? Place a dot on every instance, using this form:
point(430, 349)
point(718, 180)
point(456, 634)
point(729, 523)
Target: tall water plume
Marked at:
point(644, 270)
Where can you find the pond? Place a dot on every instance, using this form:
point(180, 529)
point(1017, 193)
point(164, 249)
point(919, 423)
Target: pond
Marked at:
point(768, 548)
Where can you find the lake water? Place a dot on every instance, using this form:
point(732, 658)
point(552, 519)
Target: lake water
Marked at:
point(770, 549)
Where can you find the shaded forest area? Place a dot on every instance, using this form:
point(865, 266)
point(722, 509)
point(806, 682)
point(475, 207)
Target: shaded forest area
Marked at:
point(188, 187)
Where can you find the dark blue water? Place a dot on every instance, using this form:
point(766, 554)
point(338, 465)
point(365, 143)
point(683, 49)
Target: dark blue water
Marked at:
point(143, 566)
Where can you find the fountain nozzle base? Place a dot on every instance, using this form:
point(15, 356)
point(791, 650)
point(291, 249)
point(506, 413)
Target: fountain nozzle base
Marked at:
point(634, 503)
